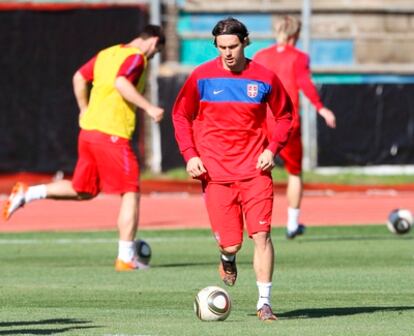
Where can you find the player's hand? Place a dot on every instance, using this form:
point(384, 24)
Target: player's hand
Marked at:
point(156, 113)
point(195, 167)
point(329, 117)
point(265, 161)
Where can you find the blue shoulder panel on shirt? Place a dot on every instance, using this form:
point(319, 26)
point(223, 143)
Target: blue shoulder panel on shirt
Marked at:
point(241, 90)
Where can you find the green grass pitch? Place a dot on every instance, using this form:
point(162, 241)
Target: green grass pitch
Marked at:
point(355, 280)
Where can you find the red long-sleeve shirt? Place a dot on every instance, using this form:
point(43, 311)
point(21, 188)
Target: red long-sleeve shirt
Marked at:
point(220, 116)
point(292, 67)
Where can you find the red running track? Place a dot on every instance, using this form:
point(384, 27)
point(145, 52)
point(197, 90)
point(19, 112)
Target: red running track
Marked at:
point(186, 210)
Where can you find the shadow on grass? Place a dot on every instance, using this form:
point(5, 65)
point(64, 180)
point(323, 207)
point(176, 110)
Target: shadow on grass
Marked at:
point(183, 264)
point(345, 311)
point(74, 325)
point(191, 264)
point(316, 239)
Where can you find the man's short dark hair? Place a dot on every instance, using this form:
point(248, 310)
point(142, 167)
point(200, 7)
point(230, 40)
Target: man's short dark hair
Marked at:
point(231, 26)
point(153, 31)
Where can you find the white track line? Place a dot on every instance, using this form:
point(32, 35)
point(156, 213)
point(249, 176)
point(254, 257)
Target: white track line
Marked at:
point(63, 241)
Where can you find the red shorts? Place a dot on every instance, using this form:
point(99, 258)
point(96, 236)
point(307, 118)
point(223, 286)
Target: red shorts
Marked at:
point(106, 163)
point(291, 154)
point(230, 204)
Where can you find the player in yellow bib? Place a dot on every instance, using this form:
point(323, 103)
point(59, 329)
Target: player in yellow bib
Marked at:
point(107, 120)
point(108, 111)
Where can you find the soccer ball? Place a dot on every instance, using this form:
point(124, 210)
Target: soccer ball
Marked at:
point(400, 221)
point(212, 304)
point(143, 251)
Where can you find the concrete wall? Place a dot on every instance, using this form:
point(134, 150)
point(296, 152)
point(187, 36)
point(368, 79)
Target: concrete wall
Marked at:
point(373, 32)
point(378, 37)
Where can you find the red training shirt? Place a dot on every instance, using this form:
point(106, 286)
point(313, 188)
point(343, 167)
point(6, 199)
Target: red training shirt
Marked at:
point(220, 116)
point(292, 67)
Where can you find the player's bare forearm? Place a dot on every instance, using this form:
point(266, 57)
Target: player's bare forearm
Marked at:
point(80, 89)
point(128, 91)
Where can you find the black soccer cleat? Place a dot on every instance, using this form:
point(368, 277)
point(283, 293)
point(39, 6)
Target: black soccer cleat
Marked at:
point(228, 271)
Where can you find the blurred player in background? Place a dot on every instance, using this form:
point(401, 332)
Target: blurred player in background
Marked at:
point(220, 125)
point(292, 67)
point(107, 120)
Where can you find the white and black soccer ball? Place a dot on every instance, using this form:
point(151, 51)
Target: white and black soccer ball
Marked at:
point(400, 221)
point(143, 251)
point(212, 303)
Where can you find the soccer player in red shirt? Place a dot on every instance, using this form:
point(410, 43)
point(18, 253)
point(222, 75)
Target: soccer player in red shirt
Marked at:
point(220, 125)
point(107, 120)
point(292, 67)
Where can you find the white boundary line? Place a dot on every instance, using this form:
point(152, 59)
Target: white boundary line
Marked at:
point(81, 241)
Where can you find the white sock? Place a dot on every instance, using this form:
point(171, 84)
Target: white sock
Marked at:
point(293, 219)
point(265, 289)
point(126, 250)
point(229, 257)
point(35, 193)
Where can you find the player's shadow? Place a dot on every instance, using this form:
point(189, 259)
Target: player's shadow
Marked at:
point(198, 263)
point(57, 326)
point(310, 239)
point(344, 311)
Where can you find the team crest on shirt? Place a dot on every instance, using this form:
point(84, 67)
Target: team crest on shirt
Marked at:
point(252, 90)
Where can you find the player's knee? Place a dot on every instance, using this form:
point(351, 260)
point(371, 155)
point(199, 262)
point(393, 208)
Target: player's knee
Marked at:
point(261, 237)
point(231, 249)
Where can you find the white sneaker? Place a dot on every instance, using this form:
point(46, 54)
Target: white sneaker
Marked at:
point(16, 200)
